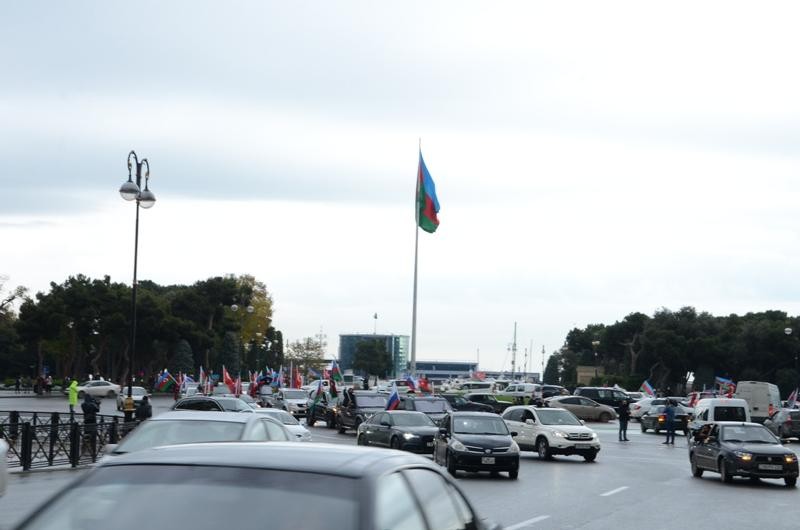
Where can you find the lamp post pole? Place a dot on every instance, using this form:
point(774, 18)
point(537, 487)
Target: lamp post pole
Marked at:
point(132, 191)
point(595, 344)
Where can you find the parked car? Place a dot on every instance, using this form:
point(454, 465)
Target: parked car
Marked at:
point(784, 423)
point(292, 400)
point(583, 408)
point(741, 449)
point(476, 441)
point(98, 389)
point(656, 420)
point(356, 407)
point(475, 386)
point(399, 429)
point(519, 391)
point(183, 427)
point(551, 431)
point(137, 393)
point(435, 407)
point(300, 433)
point(359, 488)
point(212, 404)
point(323, 410)
point(607, 396)
point(458, 402)
point(488, 399)
point(640, 408)
point(553, 390)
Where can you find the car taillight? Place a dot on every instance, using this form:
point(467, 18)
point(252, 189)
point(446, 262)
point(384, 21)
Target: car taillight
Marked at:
point(662, 419)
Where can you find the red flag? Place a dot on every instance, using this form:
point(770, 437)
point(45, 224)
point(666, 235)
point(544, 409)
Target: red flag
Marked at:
point(228, 380)
point(298, 381)
point(424, 385)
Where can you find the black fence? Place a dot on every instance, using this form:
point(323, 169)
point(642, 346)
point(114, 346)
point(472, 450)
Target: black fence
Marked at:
point(39, 439)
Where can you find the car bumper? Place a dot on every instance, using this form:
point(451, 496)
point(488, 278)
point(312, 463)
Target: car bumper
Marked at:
point(477, 462)
point(422, 447)
point(754, 469)
point(558, 447)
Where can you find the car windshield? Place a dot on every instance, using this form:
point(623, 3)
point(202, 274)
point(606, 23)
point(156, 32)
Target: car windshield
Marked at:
point(747, 434)
point(234, 405)
point(434, 405)
point(281, 415)
point(203, 495)
point(479, 425)
point(169, 432)
point(557, 417)
point(294, 394)
point(371, 401)
point(412, 420)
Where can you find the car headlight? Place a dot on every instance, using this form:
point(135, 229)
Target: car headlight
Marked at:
point(790, 459)
point(594, 436)
point(560, 434)
point(744, 456)
point(458, 446)
point(409, 436)
point(514, 447)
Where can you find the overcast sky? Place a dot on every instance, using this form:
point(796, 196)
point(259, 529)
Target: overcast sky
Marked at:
point(591, 159)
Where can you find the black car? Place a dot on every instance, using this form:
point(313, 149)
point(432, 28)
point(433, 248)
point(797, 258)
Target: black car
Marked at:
point(458, 402)
point(215, 403)
point(488, 399)
point(741, 449)
point(357, 487)
point(399, 429)
point(357, 407)
point(435, 407)
point(549, 391)
point(476, 441)
point(656, 420)
point(607, 396)
point(784, 423)
point(323, 410)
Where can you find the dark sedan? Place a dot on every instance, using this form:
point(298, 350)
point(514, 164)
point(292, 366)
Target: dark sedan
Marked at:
point(458, 402)
point(212, 404)
point(314, 484)
point(399, 429)
point(488, 399)
point(655, 419)
point(476, 441)
point(741, 449)
point(784, 424)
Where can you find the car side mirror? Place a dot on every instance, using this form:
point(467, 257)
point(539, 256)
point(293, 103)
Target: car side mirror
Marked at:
point(514, 433)
point(530, 422)
point(110, 448)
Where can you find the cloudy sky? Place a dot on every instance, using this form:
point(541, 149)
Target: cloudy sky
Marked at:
point(591, 159)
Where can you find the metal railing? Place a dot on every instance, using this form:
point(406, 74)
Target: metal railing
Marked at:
point(37, 439)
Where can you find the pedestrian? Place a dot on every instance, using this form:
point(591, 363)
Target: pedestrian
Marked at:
point(48, 383)
point(18, 384)
point(144, 410)
point(176, 391)
point(624, 414)
point(73, 396)
point(90, 409)
point(669, 419)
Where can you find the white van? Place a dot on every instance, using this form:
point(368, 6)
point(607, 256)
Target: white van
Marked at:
point(719, 409)
point(520, 390)
point(476, 386)
point(759, 396)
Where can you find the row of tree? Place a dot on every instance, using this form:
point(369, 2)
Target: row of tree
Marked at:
point(672, 347)
point(83, 326)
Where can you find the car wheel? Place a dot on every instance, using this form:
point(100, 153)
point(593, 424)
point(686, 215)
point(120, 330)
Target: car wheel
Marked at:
point(340, 426)
point(330, 421)
point(590, 457)
point(451, 466)
point(361, 440)
point(543, 448)
point(605, 417)
point(110, 394)
point(395, 443)
point(641, 425)
point(723, 472)
point(696, 471)
point(513, 474)
point(790, 481)
point(310, 421)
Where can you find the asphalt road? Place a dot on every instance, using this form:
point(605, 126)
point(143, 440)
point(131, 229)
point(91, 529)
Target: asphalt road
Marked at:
point(632, 485)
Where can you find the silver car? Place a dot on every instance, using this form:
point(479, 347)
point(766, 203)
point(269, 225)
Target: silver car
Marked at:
point(300, 433)
point(137, 392)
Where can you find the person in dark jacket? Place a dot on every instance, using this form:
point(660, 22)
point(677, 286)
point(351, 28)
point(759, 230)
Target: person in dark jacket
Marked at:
point(90, 409)
point(624, 414)
point(144, 410)
point(669, 419)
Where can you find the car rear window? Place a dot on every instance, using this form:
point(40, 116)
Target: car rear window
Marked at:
point(434, 405)
point(729, 414)
point(168, 432)
point(202, 496)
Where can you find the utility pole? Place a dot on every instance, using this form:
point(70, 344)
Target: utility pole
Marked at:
point(542, 363)
point(514, 353)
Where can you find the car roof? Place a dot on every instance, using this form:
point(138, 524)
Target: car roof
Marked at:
point(531, 407)
point(329, 459)
point(483, 393)
point(201, 415)
point(748, 423)
point(405, 412)
point(462, 413)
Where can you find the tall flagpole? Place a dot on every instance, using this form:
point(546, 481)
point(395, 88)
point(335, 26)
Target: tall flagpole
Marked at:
point(416, 252)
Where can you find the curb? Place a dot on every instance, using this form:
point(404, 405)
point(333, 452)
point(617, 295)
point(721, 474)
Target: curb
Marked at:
point(61, 468)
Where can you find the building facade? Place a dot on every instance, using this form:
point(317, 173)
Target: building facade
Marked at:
point(396, 345)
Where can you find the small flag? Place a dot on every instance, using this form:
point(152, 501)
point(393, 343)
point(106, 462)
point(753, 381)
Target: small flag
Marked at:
point(412, 383)
point(228, 380)
point(394, 398)
point(647, 388)
point(336, 374)
point(792, 399)
point(427, 202)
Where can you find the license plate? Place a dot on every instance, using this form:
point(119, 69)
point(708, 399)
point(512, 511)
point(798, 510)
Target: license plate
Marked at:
point(770, 467)
point(487, 460)
point(430, 444)
point(582, 446)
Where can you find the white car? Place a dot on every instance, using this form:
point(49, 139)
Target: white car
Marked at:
point(551, 431)
point(98, 389)
point(292, 400)
point(137, 393)
point(521, 390)
point(640, 408)
point(300, 433)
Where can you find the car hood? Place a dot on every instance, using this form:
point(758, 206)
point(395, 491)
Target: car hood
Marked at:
point(484, 440)
point(761, 449)
point(369, 410)
point(419, 430)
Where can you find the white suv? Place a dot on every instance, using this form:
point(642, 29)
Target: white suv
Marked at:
point(551, 431)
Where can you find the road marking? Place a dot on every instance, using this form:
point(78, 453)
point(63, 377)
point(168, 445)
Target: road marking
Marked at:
point(529, 522)
point(612, 492)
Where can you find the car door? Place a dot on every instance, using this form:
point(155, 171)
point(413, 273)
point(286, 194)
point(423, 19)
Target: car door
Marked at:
point(442, 504)
point(706, 452)
point(440, 441)
point(513, 418)
point(529, 429)
point(382, 429)
point(587, 409)
point(396, 508)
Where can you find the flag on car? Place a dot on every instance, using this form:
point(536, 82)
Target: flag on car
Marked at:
point(394, 398)
point(228, 380)
point(427, 202)
point(647, 388)
point(334, 393)
point(424, 385)
point(792, 399)
point(186, 380)
point(164, 381)
point(336, 374)
point(412, 383)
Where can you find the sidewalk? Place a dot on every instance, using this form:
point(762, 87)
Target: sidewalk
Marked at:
point(12, 394)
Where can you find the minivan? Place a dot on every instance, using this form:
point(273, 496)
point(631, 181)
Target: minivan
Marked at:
point(605, 395)
point(719, 409)
point(759, 396)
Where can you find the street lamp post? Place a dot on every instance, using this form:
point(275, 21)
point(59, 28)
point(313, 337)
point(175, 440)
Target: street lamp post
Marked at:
point(788, 332)
point(595, 344)
point(132, 191)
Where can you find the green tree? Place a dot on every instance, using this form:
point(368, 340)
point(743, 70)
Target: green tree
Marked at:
point(551, 375)
point(307, 353)
point(183, 360)
point(230, 353)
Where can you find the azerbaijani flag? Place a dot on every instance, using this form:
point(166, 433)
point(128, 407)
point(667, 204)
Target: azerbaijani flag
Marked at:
point(647, 388)
point(336, 374)
point(164, 381)
point(427, 203)
point(394, 399)
point(334, 393)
